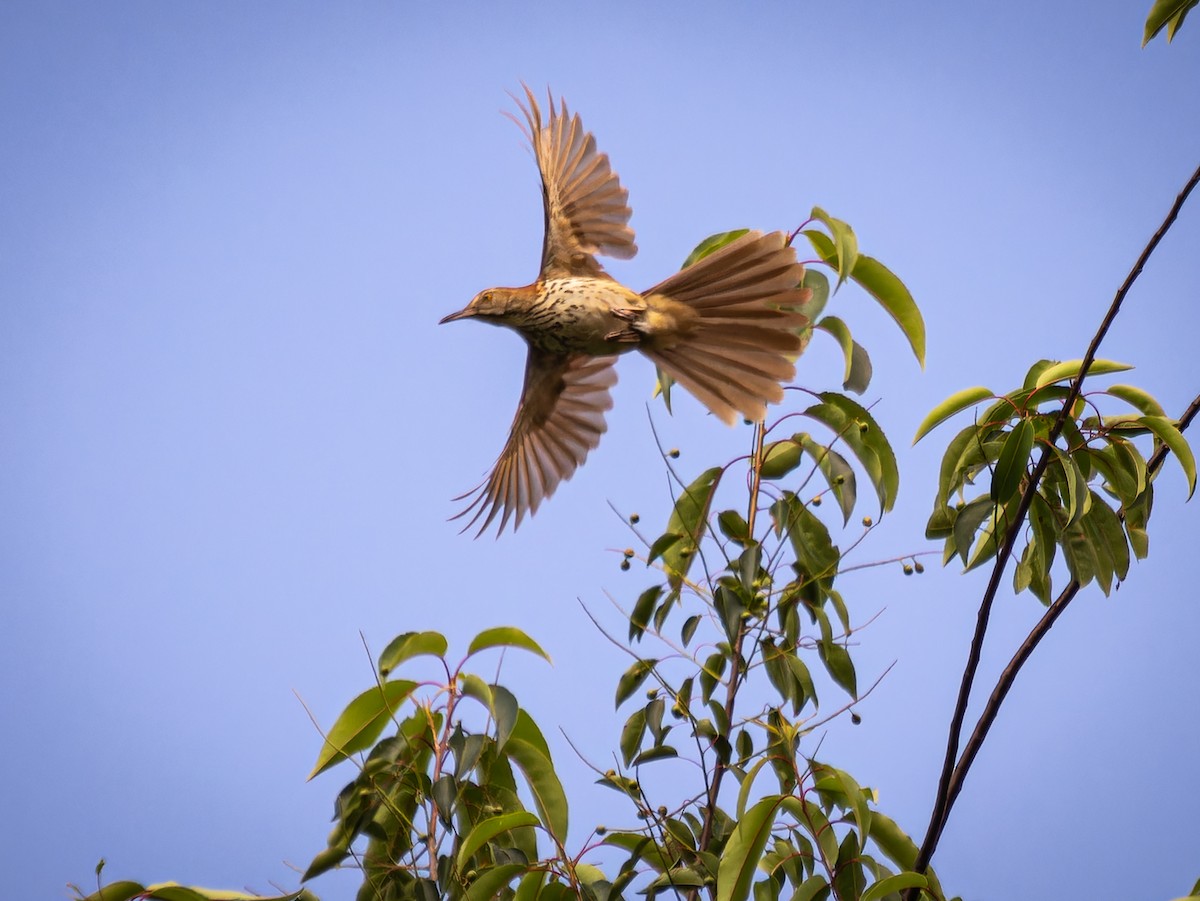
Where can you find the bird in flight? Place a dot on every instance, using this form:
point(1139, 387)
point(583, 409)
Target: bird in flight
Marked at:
point(724, 327)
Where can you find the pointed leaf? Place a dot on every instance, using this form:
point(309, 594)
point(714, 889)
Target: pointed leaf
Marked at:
point(634, 677)
point(893, 884)
point(1168, 433)
point(492, 881)
point(505, 637)
point(1137, 398)
point(1166, 13)
point(712, 244)
point(882, 284)
point(361, 722)
point(780, 458)
point(1070, 369)
point(955, 403)
point(689, 519)
point(862, 434)
point(410, 644)
point(486, 830)
point(739, 860)
point(858, 364)
point(1011, 464)
point(842, 243)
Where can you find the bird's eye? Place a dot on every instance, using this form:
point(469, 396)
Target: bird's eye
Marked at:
point(486, 297)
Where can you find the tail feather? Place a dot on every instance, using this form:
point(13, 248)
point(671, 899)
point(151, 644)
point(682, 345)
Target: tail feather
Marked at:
point(737, 351)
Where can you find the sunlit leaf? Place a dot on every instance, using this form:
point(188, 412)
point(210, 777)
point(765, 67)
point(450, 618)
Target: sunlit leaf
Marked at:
point(861, 433)
point(891, 293)
point(1166, 13)
point(361, 722)
point(1010, 465)
point(858, 365)
point(1168, 433)
point(689, 519)
point(780, 458)
point(842, 242)
point(1070, 369)
point(712, 244)
point(1141, 400)
point(838, 473)
point(893, 884)
point(123, 890)
point(493, 880)
point(410, 644)
point(505, 637)
point(486, 830)
point(544, 784)
point(739, 859)
point(955, 403)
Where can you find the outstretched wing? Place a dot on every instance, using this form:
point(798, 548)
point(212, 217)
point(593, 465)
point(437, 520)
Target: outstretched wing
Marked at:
point(587, 210)
point(558, 422)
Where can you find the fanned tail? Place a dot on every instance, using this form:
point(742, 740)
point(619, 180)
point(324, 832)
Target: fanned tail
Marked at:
point(737, 347)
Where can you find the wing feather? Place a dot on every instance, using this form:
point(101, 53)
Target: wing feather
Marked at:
point(559, 421)
point(586, 209)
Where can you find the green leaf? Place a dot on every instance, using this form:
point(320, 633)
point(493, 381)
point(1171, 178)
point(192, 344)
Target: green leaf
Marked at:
point(837, 472)
point(816, 282)
point(1137, 398)
point(955, 403)
point(633, 677)
point(1167, 432)
point(816, 554)
point(841, 668)
point(117, 891)
point(712, 244)
point(1010, 465)
point(733, 526)
point(862, 434)
point(1166, 13)
point(842, 252)
point(780, 458)
point(882, 284)
point(1077, 498)
point(661, 752)
point(1070, 369)
point(505, 637)
point(361, 722)
point(1108, 530)
point(528, 750)
point(493, 880)
point(858, 365)
point(812, 887)
point(891, 884)
point(967, 523)
point(486, 830)
point(689, 519)
point(893, 841)
point(410, 644)
point(643, 609)
point(740, 857)
point(631, 735)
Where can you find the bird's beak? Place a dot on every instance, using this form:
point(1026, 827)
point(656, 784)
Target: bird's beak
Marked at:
point(464, 313)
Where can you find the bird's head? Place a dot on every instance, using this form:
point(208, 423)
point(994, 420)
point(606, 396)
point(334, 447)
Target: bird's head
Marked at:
point(489, 305)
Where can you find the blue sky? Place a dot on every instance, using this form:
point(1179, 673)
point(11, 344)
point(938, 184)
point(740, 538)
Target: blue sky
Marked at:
point(232, 427)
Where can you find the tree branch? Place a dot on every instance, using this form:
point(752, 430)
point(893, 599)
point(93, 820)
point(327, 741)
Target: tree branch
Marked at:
point(947, 791)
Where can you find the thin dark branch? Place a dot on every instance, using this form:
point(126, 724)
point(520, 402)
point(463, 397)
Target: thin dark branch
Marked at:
point(1009, 675)
point(944, 800)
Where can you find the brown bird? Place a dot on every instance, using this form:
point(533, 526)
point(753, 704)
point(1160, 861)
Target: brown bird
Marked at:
point(720, 327)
